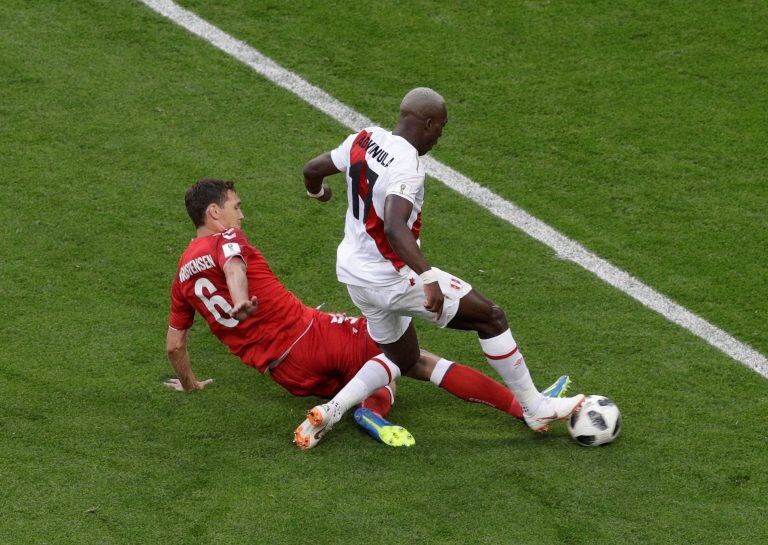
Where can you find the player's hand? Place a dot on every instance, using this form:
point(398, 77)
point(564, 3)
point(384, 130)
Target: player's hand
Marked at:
point(245, 309)
point(326, 194)
point(434, 298)
point(175, 384)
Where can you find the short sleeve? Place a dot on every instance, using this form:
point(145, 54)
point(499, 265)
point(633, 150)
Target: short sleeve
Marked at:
point(408, 184)
point(182, 313)
point(340, 156)
point(231, 243)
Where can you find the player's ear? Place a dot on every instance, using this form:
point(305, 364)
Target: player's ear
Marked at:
point(213, 210)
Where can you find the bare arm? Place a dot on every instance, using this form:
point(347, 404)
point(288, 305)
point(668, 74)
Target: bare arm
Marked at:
point(176, 348)
point(397, 210)
point(315, 171)
point(237, 284)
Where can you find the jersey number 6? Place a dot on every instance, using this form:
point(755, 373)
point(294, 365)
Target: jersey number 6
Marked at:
point(212, 301)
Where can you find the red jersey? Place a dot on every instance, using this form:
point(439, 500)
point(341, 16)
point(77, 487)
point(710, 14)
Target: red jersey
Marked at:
point(200, 285)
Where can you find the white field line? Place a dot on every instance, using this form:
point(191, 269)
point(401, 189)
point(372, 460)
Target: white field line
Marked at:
point(562, 245)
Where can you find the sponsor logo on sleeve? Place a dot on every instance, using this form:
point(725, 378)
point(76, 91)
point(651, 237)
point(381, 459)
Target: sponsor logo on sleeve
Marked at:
point(230, 249)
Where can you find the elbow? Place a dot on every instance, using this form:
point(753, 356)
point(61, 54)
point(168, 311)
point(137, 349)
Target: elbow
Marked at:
point(310, 170)
point(320, 167)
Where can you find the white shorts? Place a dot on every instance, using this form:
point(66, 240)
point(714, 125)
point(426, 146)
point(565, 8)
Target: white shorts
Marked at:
point(389, 311)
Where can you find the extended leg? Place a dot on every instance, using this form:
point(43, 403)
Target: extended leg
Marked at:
point(502, 353)
point(473, 386)
point(374, 374)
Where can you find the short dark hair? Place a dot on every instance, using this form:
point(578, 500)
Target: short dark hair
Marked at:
point(204, 193)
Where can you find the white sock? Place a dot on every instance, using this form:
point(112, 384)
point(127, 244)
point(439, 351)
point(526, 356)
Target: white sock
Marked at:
point(376, 373)
point(504, 355)
point(441, 368)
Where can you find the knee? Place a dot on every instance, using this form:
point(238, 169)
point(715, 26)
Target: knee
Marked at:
point(405, 360)
point(407, 363)
point(423, 368)
point(495, 323)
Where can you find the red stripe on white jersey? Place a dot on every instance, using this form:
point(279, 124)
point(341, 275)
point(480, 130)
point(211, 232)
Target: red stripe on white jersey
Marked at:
point(374, 226)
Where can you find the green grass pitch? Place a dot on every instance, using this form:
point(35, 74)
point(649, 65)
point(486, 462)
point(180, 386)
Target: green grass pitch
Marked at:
point(634, 128)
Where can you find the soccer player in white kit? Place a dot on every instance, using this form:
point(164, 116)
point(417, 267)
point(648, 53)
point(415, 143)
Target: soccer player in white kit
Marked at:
point(388, 277)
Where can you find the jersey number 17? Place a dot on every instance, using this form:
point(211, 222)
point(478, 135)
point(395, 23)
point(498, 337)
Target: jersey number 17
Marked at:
point(363, 180)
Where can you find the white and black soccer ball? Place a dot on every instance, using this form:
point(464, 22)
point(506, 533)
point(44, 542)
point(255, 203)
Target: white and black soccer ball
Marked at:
point(597, 422)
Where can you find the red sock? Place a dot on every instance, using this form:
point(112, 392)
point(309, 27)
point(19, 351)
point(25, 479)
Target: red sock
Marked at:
point(379, 401)
point(473, 386)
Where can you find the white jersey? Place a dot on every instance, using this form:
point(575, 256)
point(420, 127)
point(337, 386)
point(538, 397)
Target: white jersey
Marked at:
point(377, 163)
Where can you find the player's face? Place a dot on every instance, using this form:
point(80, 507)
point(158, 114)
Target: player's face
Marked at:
point(231, 215)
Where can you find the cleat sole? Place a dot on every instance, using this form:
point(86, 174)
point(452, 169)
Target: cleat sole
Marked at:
point(396, 436)
point(382, 430)
point(302, 441)
point(315, 417)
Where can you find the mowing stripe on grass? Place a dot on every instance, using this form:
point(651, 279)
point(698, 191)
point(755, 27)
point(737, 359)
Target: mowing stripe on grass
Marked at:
point(565, 247)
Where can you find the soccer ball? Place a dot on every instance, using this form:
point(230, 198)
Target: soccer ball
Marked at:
point(597, 422)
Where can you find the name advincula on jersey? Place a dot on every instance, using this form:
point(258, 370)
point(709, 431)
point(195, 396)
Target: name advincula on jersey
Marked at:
point(372, 148)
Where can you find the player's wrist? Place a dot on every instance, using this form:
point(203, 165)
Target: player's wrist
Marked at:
point(317, 195)
point(429, 276)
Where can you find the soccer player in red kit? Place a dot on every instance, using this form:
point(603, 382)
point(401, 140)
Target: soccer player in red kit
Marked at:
point(308, 352)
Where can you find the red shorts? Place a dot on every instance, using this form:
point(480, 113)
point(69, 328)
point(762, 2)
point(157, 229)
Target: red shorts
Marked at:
point(327, 356)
